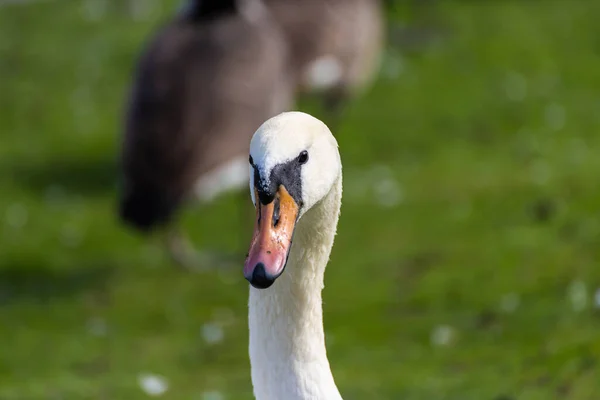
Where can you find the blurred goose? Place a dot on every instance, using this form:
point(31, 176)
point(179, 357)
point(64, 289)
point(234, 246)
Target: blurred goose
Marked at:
point(206, 81)
point(296, 187)
point(336, 45)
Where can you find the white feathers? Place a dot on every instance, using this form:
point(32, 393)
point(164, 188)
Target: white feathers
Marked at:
point(253, 10)
point(324, 73)
point(287, 341)
point(282, 138)
point(226, 177)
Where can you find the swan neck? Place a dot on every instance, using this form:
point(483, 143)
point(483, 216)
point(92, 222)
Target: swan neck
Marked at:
point(287, 340)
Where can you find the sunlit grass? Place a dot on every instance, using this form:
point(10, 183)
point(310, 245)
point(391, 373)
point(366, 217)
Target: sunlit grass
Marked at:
point(468, 248)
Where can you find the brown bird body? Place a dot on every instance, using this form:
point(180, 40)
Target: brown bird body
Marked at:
point(204, 84)
point(335, 45)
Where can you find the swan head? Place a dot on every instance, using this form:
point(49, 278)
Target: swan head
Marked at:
point(294, 163)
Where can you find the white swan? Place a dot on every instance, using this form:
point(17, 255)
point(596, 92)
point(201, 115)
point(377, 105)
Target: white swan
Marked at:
point(296, 186)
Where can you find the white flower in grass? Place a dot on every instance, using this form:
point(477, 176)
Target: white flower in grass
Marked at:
point(153, 385)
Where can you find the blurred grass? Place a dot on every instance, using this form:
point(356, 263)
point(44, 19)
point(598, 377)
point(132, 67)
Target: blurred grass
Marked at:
point(470, 209)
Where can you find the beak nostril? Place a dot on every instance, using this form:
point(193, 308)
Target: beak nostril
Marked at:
point(259, 215)
point(276, 211)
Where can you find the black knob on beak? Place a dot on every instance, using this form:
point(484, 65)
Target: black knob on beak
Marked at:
point(260, 279)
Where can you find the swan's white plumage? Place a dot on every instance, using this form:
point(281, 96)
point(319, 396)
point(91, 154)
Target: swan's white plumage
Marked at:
point(287, 341)
point(283, 137)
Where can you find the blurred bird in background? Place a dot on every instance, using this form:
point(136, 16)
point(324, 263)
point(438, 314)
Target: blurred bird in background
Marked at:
point(335, 46)
point(207, 81)
point(204, 84)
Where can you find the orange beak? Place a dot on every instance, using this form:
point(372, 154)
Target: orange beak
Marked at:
point(272, 239)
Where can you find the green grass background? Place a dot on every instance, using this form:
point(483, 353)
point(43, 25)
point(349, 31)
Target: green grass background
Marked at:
point(471, 214)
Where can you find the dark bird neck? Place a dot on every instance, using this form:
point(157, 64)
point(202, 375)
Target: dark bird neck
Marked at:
point(202, 10)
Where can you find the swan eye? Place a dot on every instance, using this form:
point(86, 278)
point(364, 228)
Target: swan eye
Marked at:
point(303, 157)
point(251, 161)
